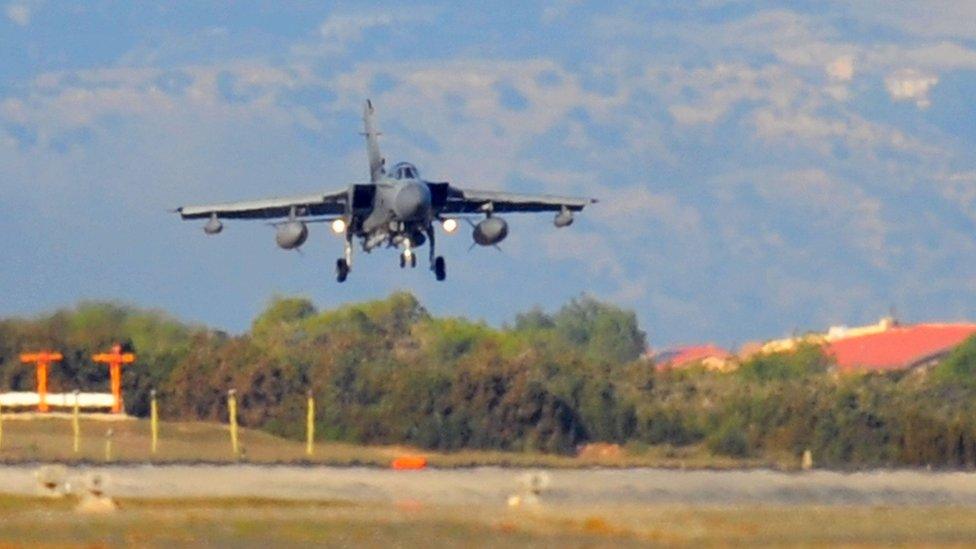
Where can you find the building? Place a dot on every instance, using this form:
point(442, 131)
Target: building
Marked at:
point(898, 347)
point(834, 333)
point(880, 347)
point(710, 356)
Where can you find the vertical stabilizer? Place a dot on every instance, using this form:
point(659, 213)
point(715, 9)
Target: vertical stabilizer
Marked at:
point(376, 161)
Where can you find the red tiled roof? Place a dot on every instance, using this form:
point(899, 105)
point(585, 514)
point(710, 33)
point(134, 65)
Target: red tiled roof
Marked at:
point(898, 348)
point(682, 356)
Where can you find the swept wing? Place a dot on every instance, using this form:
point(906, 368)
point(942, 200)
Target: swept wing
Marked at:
point(472, 201)
point(333, 203)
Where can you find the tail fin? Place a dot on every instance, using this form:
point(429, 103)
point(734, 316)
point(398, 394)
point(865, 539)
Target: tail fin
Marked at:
point(376, 160)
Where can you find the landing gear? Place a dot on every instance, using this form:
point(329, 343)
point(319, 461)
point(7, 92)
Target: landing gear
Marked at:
point(344, 263)
point(437, 263)
point(440, 268)
point(408, 258)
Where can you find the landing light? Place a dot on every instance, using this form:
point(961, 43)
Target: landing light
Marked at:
point(450, 225)
point(339, 226)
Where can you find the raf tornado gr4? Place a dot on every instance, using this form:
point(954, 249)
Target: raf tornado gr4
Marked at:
point(396, 209)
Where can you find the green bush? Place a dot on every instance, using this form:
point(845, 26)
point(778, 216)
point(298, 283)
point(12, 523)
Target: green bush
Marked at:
point(806, 360)
point(729, 439)
point(960, 365)
point(386, 371)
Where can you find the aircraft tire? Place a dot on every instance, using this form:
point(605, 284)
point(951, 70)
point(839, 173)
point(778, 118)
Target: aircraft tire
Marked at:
point(440, 268)
point(342, 270)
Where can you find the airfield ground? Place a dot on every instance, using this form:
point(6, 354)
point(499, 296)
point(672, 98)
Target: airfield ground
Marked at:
point(32, 438)
point(174, 498)
point(271, 523)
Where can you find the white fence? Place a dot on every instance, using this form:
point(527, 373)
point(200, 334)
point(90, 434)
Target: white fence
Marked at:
point(57, 400)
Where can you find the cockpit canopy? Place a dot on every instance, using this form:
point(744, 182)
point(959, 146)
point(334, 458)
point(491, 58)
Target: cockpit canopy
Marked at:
point(405, 170)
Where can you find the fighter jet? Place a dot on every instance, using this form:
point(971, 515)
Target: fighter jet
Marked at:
point(396, 209)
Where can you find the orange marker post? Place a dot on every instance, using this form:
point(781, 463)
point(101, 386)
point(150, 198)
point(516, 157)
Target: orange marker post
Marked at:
point(42, 361)
point(115, 360)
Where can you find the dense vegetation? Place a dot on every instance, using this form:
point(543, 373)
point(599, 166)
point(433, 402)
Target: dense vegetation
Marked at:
point(388, 371)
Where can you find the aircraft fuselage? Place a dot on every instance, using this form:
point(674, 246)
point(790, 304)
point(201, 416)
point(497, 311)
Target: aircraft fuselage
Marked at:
point(401, 209)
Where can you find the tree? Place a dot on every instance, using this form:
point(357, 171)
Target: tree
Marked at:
point(606, 332)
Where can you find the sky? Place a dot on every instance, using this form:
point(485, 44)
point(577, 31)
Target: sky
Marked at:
point(762, 167)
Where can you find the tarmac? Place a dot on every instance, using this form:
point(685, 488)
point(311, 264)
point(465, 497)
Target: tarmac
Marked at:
point(494, 485)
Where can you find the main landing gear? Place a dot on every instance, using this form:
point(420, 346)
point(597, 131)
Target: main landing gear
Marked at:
point(344, 264)
point(437, 263)
point(440, 268)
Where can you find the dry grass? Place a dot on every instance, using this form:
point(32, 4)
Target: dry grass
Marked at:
point(770, 525)
point(49, 439)
point(270, 523)
point(275, 523)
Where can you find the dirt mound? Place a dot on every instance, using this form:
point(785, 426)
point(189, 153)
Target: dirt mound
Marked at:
point(599, 450)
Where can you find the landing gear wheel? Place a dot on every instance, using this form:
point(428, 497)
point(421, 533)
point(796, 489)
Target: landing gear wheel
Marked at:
point(413, 260)
point(403, 261)
point(440, 269)
point(342, 270)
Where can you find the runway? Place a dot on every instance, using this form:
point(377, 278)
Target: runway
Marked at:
point(492, 485)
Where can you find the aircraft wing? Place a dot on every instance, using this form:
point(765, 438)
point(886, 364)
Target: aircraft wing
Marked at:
point(271, 208)
point(473, 201)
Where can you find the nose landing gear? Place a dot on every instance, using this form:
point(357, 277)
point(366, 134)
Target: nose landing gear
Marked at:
point(407, 256)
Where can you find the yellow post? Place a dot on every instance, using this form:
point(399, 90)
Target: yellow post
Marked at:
point(310, 425)
point(154, 419)
point(232, 412)
point(108, 445)
point(76, 424)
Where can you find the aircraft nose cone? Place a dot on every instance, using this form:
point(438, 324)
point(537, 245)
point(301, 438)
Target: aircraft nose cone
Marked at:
point(412, 201)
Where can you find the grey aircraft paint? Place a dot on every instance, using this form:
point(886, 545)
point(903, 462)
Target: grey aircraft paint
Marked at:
point(396, 209)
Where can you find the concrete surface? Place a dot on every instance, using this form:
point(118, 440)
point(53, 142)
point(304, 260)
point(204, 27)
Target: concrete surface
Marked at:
point(492, 485)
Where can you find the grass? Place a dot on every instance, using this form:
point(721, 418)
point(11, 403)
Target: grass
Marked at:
point(255, 522)
point(50, 439)
point(227, 522)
